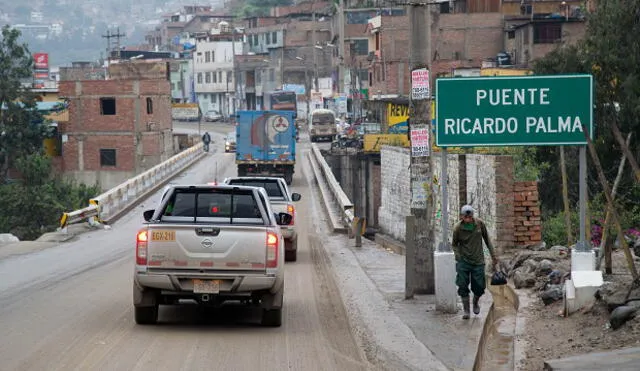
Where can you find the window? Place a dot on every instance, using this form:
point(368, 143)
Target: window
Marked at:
point(268, 38)
point(213, 56)
point(207, 57)
point(149, 106)
point(219, 76)
point(215, 77)
point(548, 33)
point(228, 76)
point(274, 37)
point(511, 35)
point(444, 8)
point(107, 157)
point(207, 77)
point(360, 47)
point(271, 186)
point(199, 77)
point(220, 206)
point(107, 106)
point(363, 74)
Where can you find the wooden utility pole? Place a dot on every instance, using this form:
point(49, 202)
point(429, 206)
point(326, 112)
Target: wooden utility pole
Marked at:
point(420, 229)
point(565, 197)
point(614, 214)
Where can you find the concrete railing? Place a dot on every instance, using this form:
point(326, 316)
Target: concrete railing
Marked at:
point(114, 202)
point(346, 207)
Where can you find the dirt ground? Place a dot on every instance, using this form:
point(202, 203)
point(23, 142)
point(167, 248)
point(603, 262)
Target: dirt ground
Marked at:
point(550, 335)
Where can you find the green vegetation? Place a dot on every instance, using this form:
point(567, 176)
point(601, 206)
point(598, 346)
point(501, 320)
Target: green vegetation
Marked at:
point(33, 203)
point(611, 52)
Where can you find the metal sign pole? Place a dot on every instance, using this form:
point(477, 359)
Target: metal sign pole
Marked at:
point(582, 242)
point(444, 245)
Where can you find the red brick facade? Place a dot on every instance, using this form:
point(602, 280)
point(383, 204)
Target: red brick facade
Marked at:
point(528, 223)
point(139, 130)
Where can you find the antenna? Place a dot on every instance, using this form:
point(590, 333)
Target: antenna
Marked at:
point(113, 44)
point(215, 177)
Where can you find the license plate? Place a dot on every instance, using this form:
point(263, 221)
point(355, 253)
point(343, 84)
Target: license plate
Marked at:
point(206, 286)
point(163, 236)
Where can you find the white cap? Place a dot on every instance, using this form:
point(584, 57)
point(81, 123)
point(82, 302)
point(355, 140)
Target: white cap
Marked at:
point(467, 210)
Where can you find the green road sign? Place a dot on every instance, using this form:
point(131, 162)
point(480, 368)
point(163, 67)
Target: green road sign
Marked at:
point(514, 110)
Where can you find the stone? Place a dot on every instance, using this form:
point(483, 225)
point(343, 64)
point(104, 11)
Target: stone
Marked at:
point(552, 294)
point(523, 279)
point(621, 315)
point(559, 250)
point(545, 267)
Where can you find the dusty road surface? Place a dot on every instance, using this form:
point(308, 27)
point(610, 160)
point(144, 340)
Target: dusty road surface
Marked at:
point(69, 307)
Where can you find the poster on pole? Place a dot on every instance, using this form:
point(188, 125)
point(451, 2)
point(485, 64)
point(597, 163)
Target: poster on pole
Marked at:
point(420, 141)
point(420, 84)
point(419, 194)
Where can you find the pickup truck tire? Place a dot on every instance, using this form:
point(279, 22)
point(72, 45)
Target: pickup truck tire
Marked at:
point(146, 315)
point(291, 250)
point(272, 317)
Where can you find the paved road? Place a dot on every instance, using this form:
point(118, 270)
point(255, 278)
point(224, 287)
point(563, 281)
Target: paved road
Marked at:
point(69, 308)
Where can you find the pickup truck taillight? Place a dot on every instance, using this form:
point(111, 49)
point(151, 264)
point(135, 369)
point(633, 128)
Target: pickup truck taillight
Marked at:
point(272, 250)
point(141, 247)
point(291, 210)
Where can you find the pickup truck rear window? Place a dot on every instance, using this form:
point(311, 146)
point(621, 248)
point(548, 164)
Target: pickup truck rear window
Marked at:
point(213, 206)
point(271, 186)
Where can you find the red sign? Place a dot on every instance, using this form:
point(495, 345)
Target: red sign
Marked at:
point(41, 75)
point(41, 60)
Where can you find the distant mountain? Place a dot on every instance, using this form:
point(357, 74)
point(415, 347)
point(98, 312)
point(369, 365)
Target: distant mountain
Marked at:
point(71, 30)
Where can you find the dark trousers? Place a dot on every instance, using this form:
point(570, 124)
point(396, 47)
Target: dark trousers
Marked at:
point(470, 274)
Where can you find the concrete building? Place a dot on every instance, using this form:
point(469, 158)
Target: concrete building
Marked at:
point(213, 64)
point(182, 81)
point(117, 128)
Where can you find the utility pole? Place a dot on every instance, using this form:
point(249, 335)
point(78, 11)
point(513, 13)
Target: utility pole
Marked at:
point(420, 276)
point(113, 45)
point(313, 50)
point(341, 46)
point(234, 72)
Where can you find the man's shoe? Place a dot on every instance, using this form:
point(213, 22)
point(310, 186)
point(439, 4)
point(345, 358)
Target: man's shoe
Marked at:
point(465, 307)
point(476, 305)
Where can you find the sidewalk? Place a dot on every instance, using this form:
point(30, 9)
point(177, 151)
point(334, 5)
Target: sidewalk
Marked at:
point(410, 332)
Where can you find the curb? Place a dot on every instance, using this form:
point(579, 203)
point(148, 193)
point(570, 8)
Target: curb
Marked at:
point(393, 344)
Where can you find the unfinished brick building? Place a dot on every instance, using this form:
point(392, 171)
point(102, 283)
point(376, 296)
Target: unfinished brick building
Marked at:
point(117, 128)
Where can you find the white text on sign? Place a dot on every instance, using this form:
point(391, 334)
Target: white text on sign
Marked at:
point(516, 97)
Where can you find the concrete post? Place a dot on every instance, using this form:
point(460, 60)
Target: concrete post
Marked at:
point(420, 274)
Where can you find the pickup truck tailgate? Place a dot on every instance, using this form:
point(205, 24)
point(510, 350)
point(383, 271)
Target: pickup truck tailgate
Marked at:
point(198, 247)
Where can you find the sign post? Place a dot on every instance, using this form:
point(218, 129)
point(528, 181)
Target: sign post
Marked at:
point(523, 111)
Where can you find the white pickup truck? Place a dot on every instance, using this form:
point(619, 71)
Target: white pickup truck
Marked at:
point(211, 244)
point(281, 200)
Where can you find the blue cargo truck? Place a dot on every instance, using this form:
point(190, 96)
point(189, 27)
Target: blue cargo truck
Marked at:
point(266, 143)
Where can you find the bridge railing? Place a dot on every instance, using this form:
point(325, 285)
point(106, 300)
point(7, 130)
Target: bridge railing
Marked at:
point(113, 203)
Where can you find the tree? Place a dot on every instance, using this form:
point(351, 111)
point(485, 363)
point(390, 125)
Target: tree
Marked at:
point(610, 51)
point(21, 129)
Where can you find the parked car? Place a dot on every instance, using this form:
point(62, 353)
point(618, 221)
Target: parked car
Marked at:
point(281, 200)
point(230, 142)
point(211, 244)
point(213, 116)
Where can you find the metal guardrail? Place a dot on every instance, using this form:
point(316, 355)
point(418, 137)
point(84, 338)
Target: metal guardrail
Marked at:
point(106, 206)
point(343, 201)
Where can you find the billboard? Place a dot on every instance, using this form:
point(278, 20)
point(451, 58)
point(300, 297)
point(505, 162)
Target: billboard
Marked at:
point(373, 142)
point(41, 61)
point(397, 115)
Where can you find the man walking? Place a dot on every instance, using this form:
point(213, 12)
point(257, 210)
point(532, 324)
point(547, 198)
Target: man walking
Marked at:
point(467, 248)
point(206, 139)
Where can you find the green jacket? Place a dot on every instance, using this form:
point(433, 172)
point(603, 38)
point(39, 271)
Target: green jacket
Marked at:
point(467, 242)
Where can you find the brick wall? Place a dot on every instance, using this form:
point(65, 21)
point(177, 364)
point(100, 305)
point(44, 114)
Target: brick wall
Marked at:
point(473, 36)
point(527, 221)
point(489, 189)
